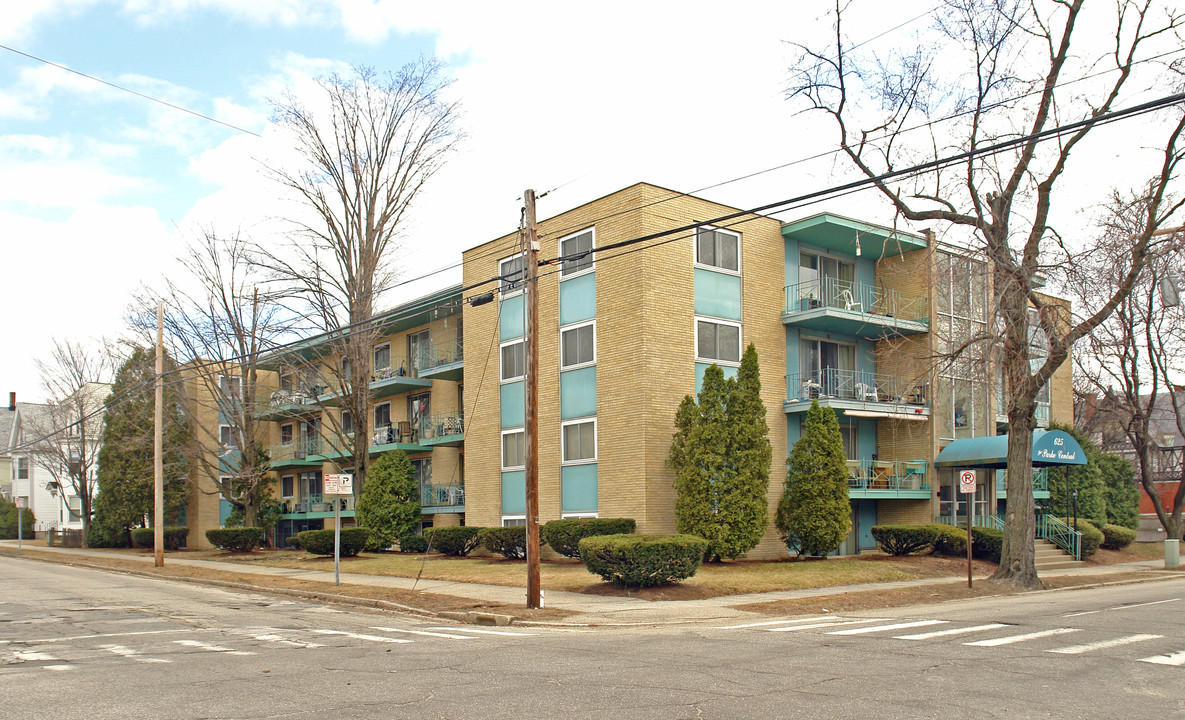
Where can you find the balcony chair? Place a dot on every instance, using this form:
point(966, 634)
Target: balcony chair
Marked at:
point(856, 478)
point(810, 390)
point(866, 392)
point(405, 433)
point(883, 474)
point(849, 301)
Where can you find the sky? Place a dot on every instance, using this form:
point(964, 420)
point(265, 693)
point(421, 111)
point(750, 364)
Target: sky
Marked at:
point(101, 188)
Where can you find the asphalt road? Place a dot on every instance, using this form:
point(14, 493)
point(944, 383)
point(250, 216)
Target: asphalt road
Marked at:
point(83, 643)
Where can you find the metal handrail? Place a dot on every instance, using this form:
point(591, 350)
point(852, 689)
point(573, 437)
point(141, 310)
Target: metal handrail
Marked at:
point(442, 495)
point(857, 385)
point(854, 297)
point(980, 521)
point(1060, 534)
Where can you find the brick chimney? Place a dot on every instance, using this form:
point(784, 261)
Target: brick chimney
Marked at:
point(12, 401)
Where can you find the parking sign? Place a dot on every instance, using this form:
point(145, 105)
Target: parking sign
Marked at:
point(967, 482)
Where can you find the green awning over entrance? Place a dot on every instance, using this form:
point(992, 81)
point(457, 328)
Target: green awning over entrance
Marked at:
point(1050, 447)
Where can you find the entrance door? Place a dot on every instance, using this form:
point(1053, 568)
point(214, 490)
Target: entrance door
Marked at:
point(865, 519)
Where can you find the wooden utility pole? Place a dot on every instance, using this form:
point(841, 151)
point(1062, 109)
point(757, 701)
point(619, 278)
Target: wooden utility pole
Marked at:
point(531, 419)
point(158, 515)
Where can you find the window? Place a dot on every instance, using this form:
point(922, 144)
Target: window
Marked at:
point(419, 412)
point(419, 351)
point(226, 437)
point(22, 468)
point(287, 485)
point(578, 516)
point(514, 520)
point(514, 361)
point(347, 370)
point(421, 472)
point(310, 483)
point(382, 356)
point(286, 382)
point(578, 345)
point(717, 341)
point(718, 249)
point(347, 422)
point(382, 416)
point(514, 449)
point(572, 245)
point(511, 271)
point(286, 434)
point(580, 441)
point(230, 386)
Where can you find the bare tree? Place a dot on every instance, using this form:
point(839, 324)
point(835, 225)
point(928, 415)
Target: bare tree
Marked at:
point(365, 159)
point(64, 437)
point(219, 326)
point(1000, 69)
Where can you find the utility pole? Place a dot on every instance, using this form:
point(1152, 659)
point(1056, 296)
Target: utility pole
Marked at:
point(531, 414)
point(158, 515)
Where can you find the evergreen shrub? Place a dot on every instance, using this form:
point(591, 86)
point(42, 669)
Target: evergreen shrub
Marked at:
point(1092, 537)
point(8, 514)
point(950, 541)
point(455, 540)
point(1117, 537)
point(320, 542)
point(413, 544)
point(643, 560)
point(564, 536)
point(986, 543)
point(509, 542)
point(174, 537)
point(235, 539)
point(904, 539)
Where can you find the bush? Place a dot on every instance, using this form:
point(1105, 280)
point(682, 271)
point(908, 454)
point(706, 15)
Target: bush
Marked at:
point(320, 542)
point(643, 560)
point(1092, 537)
point(986, 543)
point(455, 540)
point(235, 539)
point(8, 515)
point(1117, 537)
point(146, 537)
point(509, 542)
point(904, 539)
point(102, 535)
point(564, 536)
point(950, 541)
point(413, 544)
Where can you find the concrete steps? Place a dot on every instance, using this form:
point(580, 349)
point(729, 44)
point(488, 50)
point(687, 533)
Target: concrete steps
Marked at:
point(1052, 557)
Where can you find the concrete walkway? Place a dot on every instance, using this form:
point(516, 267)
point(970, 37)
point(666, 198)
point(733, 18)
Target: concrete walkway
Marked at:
point(588, 609)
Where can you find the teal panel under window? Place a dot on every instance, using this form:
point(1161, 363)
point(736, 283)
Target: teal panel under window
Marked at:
point(729, 372)
point(578, 393)
point(514, 493)
point(579, 488)
point(578, 299)
point(865, 356)
point(717, 294)
point(867, 439)
point(512, 405)
point(224, 510)
point(511, 322)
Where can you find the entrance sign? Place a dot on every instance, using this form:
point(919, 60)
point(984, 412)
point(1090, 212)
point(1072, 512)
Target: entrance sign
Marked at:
point(342, 484)
point(967, 482)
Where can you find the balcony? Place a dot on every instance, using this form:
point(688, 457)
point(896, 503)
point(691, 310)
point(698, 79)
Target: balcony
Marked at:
point(316, 506)
point(395, 437)
point(859, 394)
point(442, 361)
point(873, 479)
point(442, 498)
point(855, 309)
point(396, 379)
point(443, 429)
point(304, 451)
point(1040, 483)
point(289, 404)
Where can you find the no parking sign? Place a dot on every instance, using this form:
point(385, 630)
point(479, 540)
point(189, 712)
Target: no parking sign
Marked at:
point(967, 482)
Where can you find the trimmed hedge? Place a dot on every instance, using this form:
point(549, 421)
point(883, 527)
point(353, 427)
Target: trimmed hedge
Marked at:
point(1117, 537)
point(509, 542)
point(643, 560)
point(320, 542)
point(904, 539)
point(413, 544)
point(1092, 537)
point(986, 543)
point(243, 539)
point(564, 536)
point(146, 537)
point(950, 541)
point(455, 540)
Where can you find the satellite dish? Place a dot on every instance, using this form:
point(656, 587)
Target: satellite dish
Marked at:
point(1170, 290)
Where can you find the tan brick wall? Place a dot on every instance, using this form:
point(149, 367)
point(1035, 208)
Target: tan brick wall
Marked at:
point(903, 512)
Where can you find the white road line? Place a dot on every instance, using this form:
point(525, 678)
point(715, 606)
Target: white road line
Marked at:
point(57, 667)
point(1009, 639)
point(33, 655)
point(884, 628)
point(1166, 659)
point(424, 632)
point(487, 632)
point(128, 652)
point(1080, 614)
point(284, 641)
point(774, 622)
point(951, 631)
point(1136, 605)
point(359, 636)
point(98, 635)
point(212, 648)
point(829, 623)
point(1087, 647)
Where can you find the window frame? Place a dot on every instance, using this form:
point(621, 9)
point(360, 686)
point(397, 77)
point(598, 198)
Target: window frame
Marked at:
point(291, 479)
point(374, 350)
point(22, 467)
point(374, 417)
point(230, 444)
point(564, 445)
point(291, 433)
point(579, 516)
point(514, 519)
point(502, 449)
point(502, 366)
point(709, 266)
point(571, 328)
point(717, 321)
point(510, 288)
point(590, 258)
point(236, 379)
point(342, 422)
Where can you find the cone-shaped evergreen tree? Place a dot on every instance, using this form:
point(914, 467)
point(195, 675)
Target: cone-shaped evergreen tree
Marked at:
point(814, 514)
point(720, 453)
point(390, 502)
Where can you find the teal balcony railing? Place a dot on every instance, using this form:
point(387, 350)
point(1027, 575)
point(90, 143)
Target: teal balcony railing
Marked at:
point(442, 495)
point(855, 297)
point(299, 449)
point(857, 385)
point(893, 475)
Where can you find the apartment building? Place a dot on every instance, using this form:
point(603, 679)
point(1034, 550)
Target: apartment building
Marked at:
point(846, 312)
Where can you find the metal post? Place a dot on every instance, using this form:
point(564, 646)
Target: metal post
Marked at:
point(970, 515)
point(20, 510)
point(337, 537)
point(531, 415)
point(158, 515)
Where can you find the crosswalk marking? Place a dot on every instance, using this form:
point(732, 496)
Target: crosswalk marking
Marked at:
point(212, 648)
point(776, 622)
point(951, 631)
point(57, 667)
point(33, 655)
point(425, 632)
point(131, 654)
point(488, 632)
point(1166, 659)
point(360, 636)
point(1116, 642)
point(836, 622)
point(269, 637)
point(1009, 639)
point(884, 628)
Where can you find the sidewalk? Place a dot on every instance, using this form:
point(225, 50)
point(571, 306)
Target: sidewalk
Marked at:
point(598, 610)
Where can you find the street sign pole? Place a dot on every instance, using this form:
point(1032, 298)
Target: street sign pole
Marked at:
point(20, 511)
point(337, 538)
point(967, 487)
point(337, 485)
